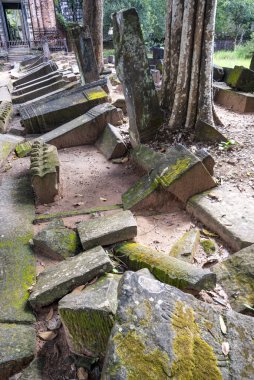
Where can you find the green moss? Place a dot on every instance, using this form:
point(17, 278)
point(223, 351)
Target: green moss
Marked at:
point(140, 360)
point(96, 94)
point(174, 171)
point(194, 358)
point(186, 245)
point(23, 149)
point(208, 246)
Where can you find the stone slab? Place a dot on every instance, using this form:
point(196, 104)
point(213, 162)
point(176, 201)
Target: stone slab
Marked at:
point(186, 247)
point(88, 317)
point(17, 348)
point(111, 143)
point(45, 69)
point(35, 86)
point(37, 80)
point(6, 110)
point(57, 281)
point(7, 145)
point(234, 100)
point(163, 333)
point(5, 95)
point(107, 230)
point(236, 276)
point(228, 213)
point(165, 268)
point(36, 93)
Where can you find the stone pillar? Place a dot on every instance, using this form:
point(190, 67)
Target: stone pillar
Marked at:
point(133, 71)
point(83, 47)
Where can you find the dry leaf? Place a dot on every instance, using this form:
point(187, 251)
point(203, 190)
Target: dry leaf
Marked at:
point(208, 233)
point(82, 374)
point(78, 289)
point(225, 348)
point(103, 199)
point(223, 327)
point(47, 335)
point(50, 314)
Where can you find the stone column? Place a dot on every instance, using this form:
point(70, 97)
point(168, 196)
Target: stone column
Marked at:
point(133, 71)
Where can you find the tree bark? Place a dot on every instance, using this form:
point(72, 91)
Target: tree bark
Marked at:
point(93, 17)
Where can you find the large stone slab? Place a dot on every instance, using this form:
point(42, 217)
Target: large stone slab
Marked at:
point(57, 281)
point(228, 213)
point(241, 79)
point(35, 85)
point(107, 230)
point(50, 115)
point(44, 69)
point(236, 275)
point(17, 348)
point(164, 267)
point(7, 145)
point(163, 333)
point(5, 115)
point(133, 70)
point(111, 143)
point(236, 101)
point(88, 317)
point(178, 171)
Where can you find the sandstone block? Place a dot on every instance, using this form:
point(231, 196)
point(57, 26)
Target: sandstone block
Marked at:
point(186, 247)
point(5, 115)
point(241, 79)
point(44, 69)
point(111, 143)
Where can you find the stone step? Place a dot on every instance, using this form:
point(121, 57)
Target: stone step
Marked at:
point(44, 81)
point(37, 73)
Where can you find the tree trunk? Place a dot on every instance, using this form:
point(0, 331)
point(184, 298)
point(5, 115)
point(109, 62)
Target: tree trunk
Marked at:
point(188, 63)
point(93, 17)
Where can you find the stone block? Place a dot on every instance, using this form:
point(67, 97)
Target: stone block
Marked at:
point(111, 143)
point(7, 145)
point(121, 103)
point(23, 149)
point(5, 115)
point(107, 230)
point(186, 247)
point(45, 69)
point(133, 70)
point(218, 73)
point(241, 79)
point(44, 172)
point(37, 80)
point(45, 117)
point(228, 213)
point(207, 160)
point(165, 268)
point(162, 333)
point(235, 101)
point(44, 81)
point(56, 241)
point(88, 317)
point(57, 281)
point(5, 95)
point(17, 348)
point(32, 61)
point(236, 276)
point(207, 133)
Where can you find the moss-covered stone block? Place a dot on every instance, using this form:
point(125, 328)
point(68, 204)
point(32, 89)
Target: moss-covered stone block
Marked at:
point(23, 149)
point(17, 348)
point(186, 247)
point(236, 275)
point(164, 267)
point(88, 317)
point(5, 115)
point(241, 79)
point(208, 246)
point(57, 241)
point(208, 133)
point(7, 145)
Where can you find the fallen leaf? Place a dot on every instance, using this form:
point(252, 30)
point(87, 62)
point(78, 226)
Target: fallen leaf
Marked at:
point(225, 348)
point(103, 199)
point(50, 314)
point(223, 327)
point(78, 289)
point(120, 160)
point(47, 335)
point(208, 233)
point(82, 374)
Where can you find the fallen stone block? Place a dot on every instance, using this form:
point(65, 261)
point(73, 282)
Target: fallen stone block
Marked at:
point(241, 79)
point(236, 276)
point(228, 213)
point(107, 230)
point(55, 282)
point(186, 247)
point(34, 60)
point(121, 103)
point(165, 268)
point(50, 115)
point(207, 133)
point(179, 172)
point(145, 116)
point(162, 333)
point(218, 73)
point(88, 317)
point(7, 145)
point(45, 69)
point(5, 95)
point(45, 81)
point(37, 81)
point(206, 159)
point(17, 348)
point(236, 101)
point(23, 149)
point(5, 115)
point(44, 171)
point(56, 241)
point(111, 143)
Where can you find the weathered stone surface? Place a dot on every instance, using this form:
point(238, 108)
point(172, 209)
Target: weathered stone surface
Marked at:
point(7, 145)
point(57, 281)
point(206, 159)
point(45, 117)
point(186, 247)
point(146, 158)
point(45, 172)
point(23, 149)
point(83, 47)
point(133, 71)
point(5, 115)
point(44, 69)
point(179, 171)
point(218, 73)
point(163, 333)
point(164, 267)
point(5, 95)
point(35, 85)
point(111, 143)
point(88, 317)
point(56, 241)
point(17, 261)
point(241, 79)
point(236, 275)
point(34, 371)
point(236, 101)
point(207, 133)
point(34, 60)
point(107, 230)
point(209, 246)
point(228, 213)
point(121, 103)
point(17, 348)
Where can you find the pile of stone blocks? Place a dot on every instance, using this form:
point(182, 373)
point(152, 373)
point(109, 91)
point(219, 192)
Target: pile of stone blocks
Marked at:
point(5, 115)
point(44, 172)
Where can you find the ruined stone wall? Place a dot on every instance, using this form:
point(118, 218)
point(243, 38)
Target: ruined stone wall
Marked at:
point(43, 16)
point(72, 14)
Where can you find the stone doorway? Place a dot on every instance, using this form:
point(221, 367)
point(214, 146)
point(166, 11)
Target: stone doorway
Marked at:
point(14, 24)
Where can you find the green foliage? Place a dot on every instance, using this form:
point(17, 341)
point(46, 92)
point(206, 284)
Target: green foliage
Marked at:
point(227, 145)
point(225, 58)
point(246, 50)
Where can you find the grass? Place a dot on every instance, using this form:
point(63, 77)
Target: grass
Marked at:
point(230, 59)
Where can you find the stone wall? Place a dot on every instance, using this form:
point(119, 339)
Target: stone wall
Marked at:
point(43, 16)
point(71, 13)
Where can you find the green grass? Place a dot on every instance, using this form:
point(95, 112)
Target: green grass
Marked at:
point(230, 59)
point(107, 52)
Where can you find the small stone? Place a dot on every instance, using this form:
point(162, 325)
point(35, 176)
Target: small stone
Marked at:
point(208, 246)
point(186, 247)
